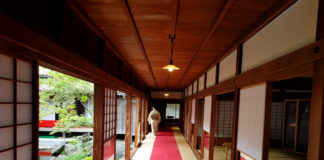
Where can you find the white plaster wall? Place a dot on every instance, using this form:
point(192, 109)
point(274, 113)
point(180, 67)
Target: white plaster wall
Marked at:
point(201, 83)
point(251, 120)
point(227, 67)
point(293, 29)
point(193, 108)
point(211, 74)
point(207, 113)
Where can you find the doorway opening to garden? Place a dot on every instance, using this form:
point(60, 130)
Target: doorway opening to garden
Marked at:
point(66, 112)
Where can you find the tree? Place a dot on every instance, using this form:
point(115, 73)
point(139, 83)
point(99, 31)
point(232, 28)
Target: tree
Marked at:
point(60, 92)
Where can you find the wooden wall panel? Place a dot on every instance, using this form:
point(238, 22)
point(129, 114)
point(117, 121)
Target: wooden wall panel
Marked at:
point(227, 67)
point(293, 29)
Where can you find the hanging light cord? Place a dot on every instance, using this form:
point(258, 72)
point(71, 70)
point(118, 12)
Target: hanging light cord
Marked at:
point(172, 38)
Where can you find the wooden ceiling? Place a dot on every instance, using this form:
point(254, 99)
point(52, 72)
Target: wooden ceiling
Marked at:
point(206, 31)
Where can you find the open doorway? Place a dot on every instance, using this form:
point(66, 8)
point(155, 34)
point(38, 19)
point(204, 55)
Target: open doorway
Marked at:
point(65, 116)
point(223, 126)
point(121, 125)
point(290, 118)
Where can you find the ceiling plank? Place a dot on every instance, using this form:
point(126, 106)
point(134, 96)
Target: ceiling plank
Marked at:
point(82, 14)
point(222, 14)
point(138, 37)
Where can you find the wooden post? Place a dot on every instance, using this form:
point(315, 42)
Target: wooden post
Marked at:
point(137, 120)
point(320, 22)
point(99, 94)
point(142, 119)
point(212, 127)
point(128, 126)
point(267, 121)
point(234, 153)
point(316, 122)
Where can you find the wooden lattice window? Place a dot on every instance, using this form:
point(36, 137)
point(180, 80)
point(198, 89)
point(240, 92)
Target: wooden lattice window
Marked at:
point(277, 120)
point(16, 108)
point(110, 113)
point(224, 118)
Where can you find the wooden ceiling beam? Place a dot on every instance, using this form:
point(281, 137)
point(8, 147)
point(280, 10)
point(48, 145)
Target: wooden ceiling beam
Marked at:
point(226, 8)
point(132, 22)
point(82, 14)
point(262, 22)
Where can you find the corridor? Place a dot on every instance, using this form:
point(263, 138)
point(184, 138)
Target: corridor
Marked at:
point(169, 144)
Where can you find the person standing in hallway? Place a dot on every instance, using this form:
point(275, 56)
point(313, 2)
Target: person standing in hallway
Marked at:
point(154, 119)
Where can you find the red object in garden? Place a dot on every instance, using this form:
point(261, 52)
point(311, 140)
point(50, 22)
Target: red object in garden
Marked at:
point(47, 123)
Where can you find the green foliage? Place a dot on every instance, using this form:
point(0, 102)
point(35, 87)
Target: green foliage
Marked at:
point(76, 156)
point(59, 93)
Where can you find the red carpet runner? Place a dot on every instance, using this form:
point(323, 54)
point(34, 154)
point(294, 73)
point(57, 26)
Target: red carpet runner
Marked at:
point(165, 146)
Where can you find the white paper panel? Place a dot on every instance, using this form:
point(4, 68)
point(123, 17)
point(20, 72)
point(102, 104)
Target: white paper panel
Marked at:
point(251, 120)
point(227, 67)
point(201, 83)
point(211, 77)
point(6, 91)
point(6, 114)
point(24, 92)
point(24, 134)
point(6, 67)
point(293, 29)
point(24, 113)
point(24, 71)
point(190, 90)
point(6, 135)
point(207, 113)
point(195, 87)
point(8, 155)
point(193, 109)
point(24, 153)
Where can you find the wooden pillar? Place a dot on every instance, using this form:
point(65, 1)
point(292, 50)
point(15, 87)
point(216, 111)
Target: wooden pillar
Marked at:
point(35, 111)
point(320, 21)
point(212, 127)
point(142, 118)
point(128, 126)
point(267, 121)
point(316, 122)
point(99, 94)
point(137, 121)
point(234, 153)
point(194, 144)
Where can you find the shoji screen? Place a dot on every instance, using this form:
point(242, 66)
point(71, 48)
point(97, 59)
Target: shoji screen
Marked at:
point(227, 67)
point(110, 123)
point(211, 77)
point(193, 109)
point(251, 120)
point(201, 83)
point(293, 29)
point(190, 90)
point(195, 87)
point(207, 113)
point(16, 103)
